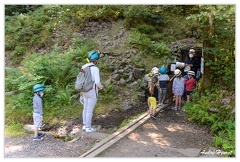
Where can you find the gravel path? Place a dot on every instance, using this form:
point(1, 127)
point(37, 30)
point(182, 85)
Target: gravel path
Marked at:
point(25, 147)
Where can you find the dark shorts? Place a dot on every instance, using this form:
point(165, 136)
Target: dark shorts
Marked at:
point(188, 92)
point(162, 95)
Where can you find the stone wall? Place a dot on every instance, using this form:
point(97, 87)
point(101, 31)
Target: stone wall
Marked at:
point(180, 47)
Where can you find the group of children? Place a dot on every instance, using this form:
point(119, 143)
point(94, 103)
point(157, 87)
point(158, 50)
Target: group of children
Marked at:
point(158, 88)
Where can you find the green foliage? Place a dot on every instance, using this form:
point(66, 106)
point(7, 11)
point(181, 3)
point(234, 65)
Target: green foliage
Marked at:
point(107, 95)
point(11, 10)
point(55, 70)
point(221, 123)
point(78, 14)
point(23, 32)
point(126, 121)
point(218, 33)
point(45, 69)
point(145, 28)
point(14, 129)
point(225, 136)
point(34, 31)
point(16, 110)
point(148, 47)
point(142, 14)
point(11, 83)
point(104, 66)
point(137, 61)
point(63, 96)
point(108, 12)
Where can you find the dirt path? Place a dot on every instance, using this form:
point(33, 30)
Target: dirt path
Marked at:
point(168, 136)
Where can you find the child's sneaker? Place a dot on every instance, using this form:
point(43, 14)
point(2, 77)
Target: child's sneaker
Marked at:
point(153, 116)
point(38, 138)
point(90, 129)
point(174, 108)
point(84, 128)
point(179, 107)
point(41, 134)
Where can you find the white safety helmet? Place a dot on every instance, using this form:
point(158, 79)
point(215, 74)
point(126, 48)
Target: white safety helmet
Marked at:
point(187, 68)
point(192, 51)
point(177, 72)
point(191, 73)
point(180, 65)
point(154, 71)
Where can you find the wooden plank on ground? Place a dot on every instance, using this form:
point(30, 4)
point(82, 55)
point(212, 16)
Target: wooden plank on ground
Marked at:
point(116, 136)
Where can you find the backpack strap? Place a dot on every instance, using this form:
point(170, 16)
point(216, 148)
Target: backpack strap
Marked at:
point(95, 86)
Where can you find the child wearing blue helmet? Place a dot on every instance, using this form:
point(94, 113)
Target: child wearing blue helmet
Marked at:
point(163, 81)
point(38, 111)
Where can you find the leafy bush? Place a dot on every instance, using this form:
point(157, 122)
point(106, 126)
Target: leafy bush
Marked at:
point(144, 43)
point(57, 71)
point(11, 81)
point(146, 29)
point(142, 14)
point(221, 123)
point(11, 10)
point(225, 135)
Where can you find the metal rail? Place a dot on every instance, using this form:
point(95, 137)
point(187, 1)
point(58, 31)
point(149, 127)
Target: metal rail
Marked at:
point(113, 138)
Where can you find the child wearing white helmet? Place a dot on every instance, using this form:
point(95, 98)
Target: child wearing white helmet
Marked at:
point(190, 84)
point(178, 88)
point(154, 71)
point(147, 82)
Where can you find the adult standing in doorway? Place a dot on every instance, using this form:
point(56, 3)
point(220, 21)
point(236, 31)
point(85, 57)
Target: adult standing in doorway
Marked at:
point(90, 97)
point(193, 61)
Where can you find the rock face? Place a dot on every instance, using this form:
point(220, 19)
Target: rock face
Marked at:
point(181, 48)
point(111, 38)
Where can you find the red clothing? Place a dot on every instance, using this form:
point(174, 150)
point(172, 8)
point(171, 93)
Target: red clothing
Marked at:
point(190, 84)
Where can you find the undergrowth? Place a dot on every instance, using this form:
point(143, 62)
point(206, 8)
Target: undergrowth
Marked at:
point(210, 110)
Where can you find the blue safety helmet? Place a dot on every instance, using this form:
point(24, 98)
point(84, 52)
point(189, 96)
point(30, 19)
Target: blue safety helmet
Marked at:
point(93, 55)
point(38, 87)
point(163, 70)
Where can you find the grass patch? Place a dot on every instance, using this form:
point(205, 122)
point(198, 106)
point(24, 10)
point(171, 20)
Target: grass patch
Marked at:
point(14, 129)
point(126, 121)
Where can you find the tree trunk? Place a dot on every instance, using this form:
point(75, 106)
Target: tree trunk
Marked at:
point(206, 81)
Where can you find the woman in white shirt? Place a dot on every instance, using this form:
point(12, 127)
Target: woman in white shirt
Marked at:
point(90, 97)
